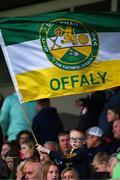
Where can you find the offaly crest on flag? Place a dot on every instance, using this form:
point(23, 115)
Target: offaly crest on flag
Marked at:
point(69, 44)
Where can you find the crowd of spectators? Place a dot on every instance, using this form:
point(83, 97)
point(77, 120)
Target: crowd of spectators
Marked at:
point(89, 151)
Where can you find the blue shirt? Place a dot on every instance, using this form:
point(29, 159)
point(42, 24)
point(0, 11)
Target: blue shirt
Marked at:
point(12, 118)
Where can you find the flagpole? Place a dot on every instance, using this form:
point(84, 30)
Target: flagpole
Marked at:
point(29, 123)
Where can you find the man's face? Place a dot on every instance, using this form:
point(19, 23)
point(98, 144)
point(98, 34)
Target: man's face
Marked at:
point(116, 129)
point(76, 139)
point(111, 116)
point(91, 141)
point(32, 171)
point(50, 147)
point(64, 143)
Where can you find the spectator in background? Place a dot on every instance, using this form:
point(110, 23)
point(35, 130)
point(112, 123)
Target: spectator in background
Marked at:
point(51, 145)
point(28, 170)
point(24, 135)
point(20, 173)
point(116, 132)
point(49, 171)
point(5, 148)
point(100, 162)
point(10, 155)
point(64, 141)
point(12, 160)
point(90, 109)
point(28, 150)
point(47, 123)
point(31, 170)
point(95, 142)
point(114, 100)
point(69, 174)
point(112, 161)
point(4, 170)
point(113, 113)
point(12, 118)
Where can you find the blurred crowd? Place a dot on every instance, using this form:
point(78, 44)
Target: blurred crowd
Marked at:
point(89, 151)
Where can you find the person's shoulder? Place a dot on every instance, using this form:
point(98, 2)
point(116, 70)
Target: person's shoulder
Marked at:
point(36, 117)
point(52, 108)
point(81, 150)
point(10, 98)
point(49, 109)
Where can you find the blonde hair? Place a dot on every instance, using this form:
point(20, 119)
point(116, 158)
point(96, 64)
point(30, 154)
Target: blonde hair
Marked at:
point(45, 168)
point(78, 130)
point(100, 158)
point(70, 169)
point(21, 165)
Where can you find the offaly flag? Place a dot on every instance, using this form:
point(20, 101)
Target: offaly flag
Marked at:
point(59, 54)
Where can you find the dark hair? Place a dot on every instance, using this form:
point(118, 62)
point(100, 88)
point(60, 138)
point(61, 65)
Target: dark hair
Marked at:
point(115, 109)
point(4, 170)
point(45, 168)
point(31, 144)
point(63, 133)
point(44, 101)
point(85, 102)
point(25, 132)
point(14, 154)
point(8, 143)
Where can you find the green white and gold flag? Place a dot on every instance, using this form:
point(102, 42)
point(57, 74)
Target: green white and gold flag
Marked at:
point(59, 54)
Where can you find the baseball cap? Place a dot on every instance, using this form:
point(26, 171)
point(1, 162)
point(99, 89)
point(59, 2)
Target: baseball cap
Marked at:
point(95, 131)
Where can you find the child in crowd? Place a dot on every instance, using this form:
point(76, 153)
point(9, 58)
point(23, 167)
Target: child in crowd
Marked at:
point(49, 171)
point(100, 163)
point(76, 157)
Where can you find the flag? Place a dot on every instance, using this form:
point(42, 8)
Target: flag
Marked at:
point(58, 54)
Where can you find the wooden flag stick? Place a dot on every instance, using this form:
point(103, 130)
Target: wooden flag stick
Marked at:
point(28, 122)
